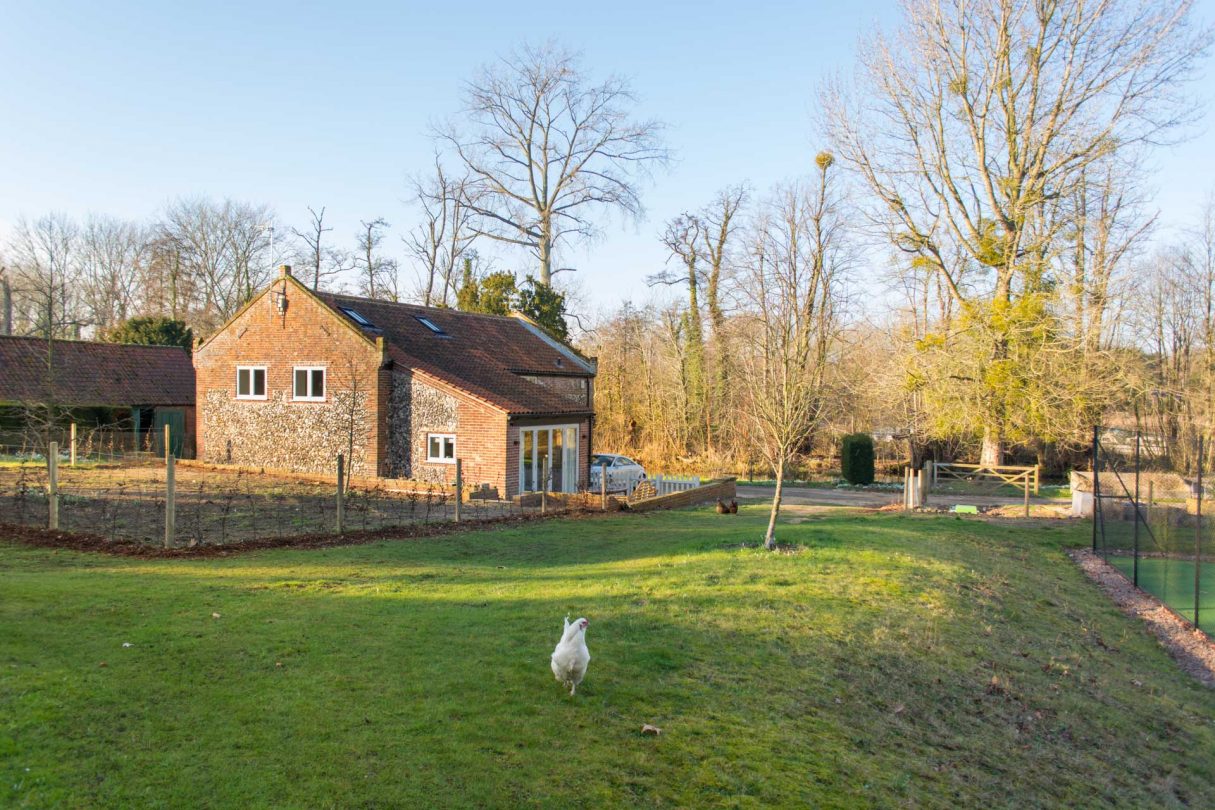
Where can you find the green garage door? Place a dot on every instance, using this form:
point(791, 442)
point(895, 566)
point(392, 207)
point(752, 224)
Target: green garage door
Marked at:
point(176, 420)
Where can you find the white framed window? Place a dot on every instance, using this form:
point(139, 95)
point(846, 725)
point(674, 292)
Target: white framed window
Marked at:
point(441, 448)
point(308, 384)
point(250, 382)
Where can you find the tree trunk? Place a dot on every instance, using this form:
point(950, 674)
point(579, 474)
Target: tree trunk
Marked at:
point(6, 305)
point(546, 253)
point(770, 535)
point(993, 447)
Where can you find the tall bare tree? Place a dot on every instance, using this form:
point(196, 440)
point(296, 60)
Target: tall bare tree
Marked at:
point(325, 261)
point(439, 242)
point(113, 257)
point(45, 267)
point(546, 150)
point(377, 273)
point(978, 115)
point(793, 284)
point(219, 252)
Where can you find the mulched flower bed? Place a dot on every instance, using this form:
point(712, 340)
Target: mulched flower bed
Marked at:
point(80, 541)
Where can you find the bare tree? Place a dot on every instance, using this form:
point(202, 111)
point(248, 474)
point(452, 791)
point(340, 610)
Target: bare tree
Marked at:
point(45, 267)
point(793, 286)
point(113, 259)
point(547, 149)
point(325, 261)
point(683, 239)
point(377, 274)
point(218, 252)
point(438, 243)
point(979, 115)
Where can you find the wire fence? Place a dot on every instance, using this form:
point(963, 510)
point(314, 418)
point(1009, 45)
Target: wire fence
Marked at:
point(209, 507)
point(1149, 523)
point(88, 444)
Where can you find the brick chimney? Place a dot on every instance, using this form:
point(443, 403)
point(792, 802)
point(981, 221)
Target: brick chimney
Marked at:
point(284, 270)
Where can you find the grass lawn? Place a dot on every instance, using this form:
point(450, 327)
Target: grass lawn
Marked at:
point(893, 660)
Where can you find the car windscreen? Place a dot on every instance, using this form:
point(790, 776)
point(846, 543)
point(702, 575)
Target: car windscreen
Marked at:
point(599, 461)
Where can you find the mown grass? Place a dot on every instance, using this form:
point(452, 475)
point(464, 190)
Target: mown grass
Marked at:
point(891, 660)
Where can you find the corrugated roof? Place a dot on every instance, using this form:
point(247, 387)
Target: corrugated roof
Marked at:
point(94, 374)
point(482, 355)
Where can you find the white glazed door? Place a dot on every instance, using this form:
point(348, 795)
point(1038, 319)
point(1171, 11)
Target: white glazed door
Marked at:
point(551, 450)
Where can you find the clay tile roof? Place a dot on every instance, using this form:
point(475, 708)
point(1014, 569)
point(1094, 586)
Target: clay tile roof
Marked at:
point(487, 356)
point(94, 374)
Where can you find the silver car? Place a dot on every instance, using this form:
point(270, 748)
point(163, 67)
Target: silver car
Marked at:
point(623, 472)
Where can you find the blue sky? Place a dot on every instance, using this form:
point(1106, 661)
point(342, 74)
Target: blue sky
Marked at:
point(119, 107)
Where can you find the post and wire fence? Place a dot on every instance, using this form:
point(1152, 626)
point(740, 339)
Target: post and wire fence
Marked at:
point(1148, 522)
point(170, 503)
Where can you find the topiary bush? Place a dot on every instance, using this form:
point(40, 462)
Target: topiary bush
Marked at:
point(856, 458)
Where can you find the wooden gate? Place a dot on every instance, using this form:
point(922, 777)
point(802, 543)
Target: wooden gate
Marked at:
point(1023, 478)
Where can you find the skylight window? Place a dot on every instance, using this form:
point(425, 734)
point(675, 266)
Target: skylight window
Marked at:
point(431, 325)
point(355, 316)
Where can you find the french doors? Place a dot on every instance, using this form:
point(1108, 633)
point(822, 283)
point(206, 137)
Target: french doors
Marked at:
point(548, 452)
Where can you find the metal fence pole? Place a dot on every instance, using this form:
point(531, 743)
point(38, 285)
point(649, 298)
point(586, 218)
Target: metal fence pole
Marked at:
point(52, 473)
point(1096, 482)
point(1135, 563)
point(170, 502)
point(341, 492)
point(1198, 537)
point(459, 488)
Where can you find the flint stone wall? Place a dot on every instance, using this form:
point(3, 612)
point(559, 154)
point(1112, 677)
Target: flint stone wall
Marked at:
point(414, 410)
point(276, 433)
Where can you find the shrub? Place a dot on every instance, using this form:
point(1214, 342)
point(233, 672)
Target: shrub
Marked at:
point(856, 458)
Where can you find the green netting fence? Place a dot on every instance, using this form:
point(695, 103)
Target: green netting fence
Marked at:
point(1149, 522)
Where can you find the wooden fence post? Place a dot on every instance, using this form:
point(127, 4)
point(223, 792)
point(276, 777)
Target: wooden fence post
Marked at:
point(544, 485)
point(603, 486)
point(459, 487)
point(1037, 477)
point(73, 435)
point(1035, 490)
point(52, 480)
point(341, 492)
point(170, 501)
point(919, 489)
point(168, 452)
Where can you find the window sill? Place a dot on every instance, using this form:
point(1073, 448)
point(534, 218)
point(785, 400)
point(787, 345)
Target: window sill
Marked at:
point(308, 399)
point(251, 398)
point(440, 461)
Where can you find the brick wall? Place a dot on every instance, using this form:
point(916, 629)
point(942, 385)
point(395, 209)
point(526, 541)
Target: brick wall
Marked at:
point(723, 489)
point(513, 448)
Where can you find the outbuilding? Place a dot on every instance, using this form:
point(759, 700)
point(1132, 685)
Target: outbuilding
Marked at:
point(130, 391)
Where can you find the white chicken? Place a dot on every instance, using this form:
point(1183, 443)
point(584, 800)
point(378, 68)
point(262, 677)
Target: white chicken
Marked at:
point(571, 655)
